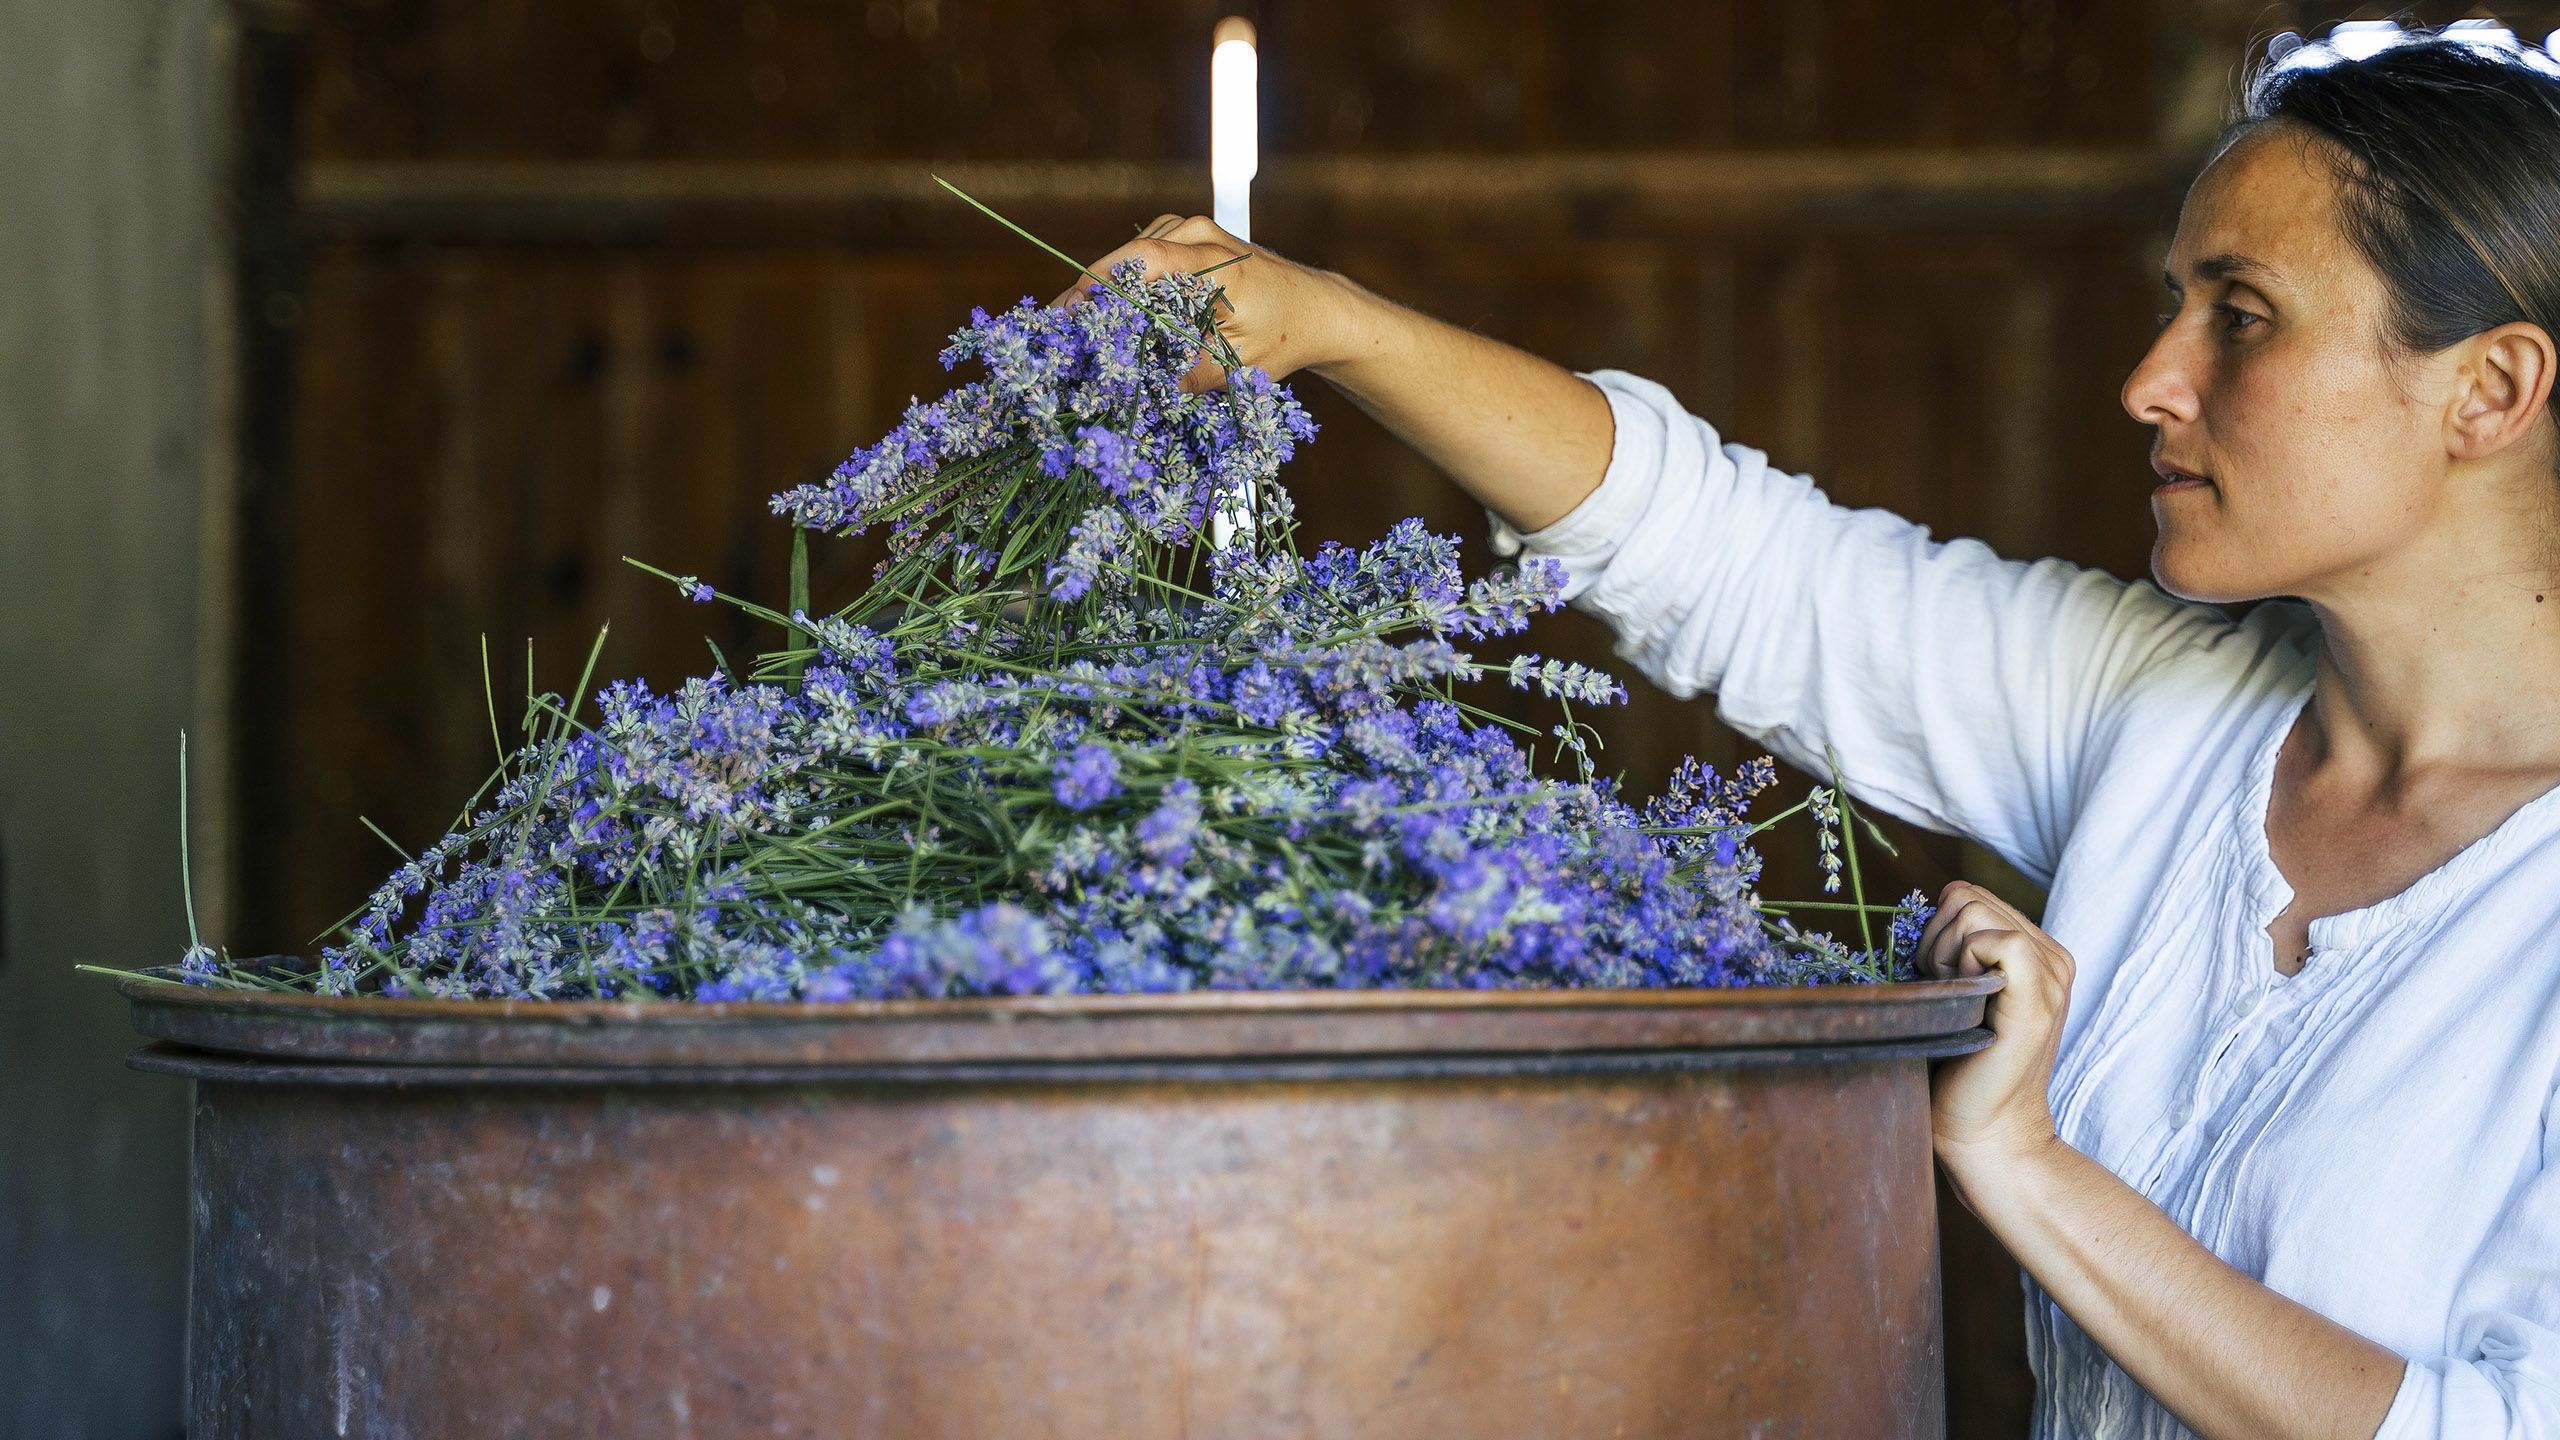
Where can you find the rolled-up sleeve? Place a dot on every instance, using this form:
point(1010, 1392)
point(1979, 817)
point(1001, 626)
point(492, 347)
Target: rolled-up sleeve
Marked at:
point(2500, 1379)
point(1959, 690)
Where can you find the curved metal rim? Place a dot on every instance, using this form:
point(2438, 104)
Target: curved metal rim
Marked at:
point(1189, 1002)
point(162, 1058)
point(1035, 1030)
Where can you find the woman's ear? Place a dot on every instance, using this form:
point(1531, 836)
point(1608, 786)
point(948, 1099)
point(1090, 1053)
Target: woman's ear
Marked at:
point(2505, 388)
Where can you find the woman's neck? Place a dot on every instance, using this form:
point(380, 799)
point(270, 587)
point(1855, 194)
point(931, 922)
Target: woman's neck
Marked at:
point(2441, 659)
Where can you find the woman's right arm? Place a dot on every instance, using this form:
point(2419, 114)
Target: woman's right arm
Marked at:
point(1960, 690)
point(1524, 436)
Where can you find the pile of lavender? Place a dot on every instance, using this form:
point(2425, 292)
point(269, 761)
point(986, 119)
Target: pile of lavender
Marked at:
point(1065, 744)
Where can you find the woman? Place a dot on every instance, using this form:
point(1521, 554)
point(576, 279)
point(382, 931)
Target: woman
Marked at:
point(2270, 1120)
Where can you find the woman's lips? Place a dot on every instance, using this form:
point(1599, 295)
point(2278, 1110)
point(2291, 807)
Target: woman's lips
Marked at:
point(2173, 479)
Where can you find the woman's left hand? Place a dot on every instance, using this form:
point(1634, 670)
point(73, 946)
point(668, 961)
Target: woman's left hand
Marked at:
point(1990, 1106)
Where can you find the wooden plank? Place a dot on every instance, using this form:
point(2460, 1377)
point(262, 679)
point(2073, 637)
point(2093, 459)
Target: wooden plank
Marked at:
point(1039, 80)
point(1596, 195)
point(262, 304)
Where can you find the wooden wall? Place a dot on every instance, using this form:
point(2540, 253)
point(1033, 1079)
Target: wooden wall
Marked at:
point(541, 287)
point(527, 288)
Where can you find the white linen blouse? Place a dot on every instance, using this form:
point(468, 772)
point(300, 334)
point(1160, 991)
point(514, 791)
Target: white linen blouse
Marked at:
point(2378, 1136)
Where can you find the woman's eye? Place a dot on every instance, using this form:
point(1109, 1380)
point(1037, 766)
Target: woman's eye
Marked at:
point(2235, 318)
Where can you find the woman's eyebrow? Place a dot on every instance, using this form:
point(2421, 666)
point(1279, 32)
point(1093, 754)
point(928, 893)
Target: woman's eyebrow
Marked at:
point(2226, 266)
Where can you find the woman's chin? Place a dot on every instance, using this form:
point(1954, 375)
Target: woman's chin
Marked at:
point(2175, 568)
point(2190, 572)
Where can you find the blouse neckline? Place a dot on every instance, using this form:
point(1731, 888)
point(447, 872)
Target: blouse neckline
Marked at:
point(2270, 893)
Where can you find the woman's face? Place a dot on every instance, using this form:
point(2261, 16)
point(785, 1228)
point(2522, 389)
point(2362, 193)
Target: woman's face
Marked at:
point(2269, 385)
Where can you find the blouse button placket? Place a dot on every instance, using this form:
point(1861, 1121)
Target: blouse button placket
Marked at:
point(2181, 1117)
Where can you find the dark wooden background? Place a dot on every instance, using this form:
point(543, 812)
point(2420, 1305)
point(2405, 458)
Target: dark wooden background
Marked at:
point(522, 289)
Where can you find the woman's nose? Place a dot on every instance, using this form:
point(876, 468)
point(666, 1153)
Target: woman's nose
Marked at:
point(2159, 389)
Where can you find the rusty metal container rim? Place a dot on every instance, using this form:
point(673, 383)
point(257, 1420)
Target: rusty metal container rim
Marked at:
point(1860, 996)
point(1191, 1035)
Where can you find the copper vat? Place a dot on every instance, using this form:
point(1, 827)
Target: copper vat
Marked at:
point(1541, 1214)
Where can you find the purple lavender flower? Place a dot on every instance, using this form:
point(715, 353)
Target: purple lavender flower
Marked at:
point(1910, 918)
point(1267, 697)
point(1099, 542)
point(1170, 831)
point(994, 949)
point(1113, 459)
point(1086, 776)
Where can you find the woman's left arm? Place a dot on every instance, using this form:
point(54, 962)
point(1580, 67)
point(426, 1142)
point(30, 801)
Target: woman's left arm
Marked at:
point(2230, 1357)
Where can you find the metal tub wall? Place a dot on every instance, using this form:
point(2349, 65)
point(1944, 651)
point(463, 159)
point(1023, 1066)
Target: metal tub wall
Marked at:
point(1209, 1218)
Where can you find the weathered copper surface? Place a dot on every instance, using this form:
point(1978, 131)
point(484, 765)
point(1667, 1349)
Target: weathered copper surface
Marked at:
point(1132, 1219)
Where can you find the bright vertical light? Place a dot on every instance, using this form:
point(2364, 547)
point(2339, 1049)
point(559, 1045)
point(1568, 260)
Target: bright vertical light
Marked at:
point(1234, 140)
point(1235, 146)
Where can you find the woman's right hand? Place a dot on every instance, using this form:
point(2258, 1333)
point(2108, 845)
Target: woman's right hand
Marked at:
point(1517, 433)
point(1280, 316)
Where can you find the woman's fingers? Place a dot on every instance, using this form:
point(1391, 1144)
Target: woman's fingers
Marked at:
point(1201, 230)
point(1997, 1095)
point(1257, 303)
point(1167, 244)
point(2011, 952)
point(1983, 934)
point(1940, 919)
point(1975, 932)
point(1941, 948)
point(1964, 910)
point(1148, 252)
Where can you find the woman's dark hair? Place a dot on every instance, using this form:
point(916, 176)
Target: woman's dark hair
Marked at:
point(2447, 150)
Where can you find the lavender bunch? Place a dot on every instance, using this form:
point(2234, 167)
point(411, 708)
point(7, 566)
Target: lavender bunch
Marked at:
point(1061, 744)
point(1078, 452)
